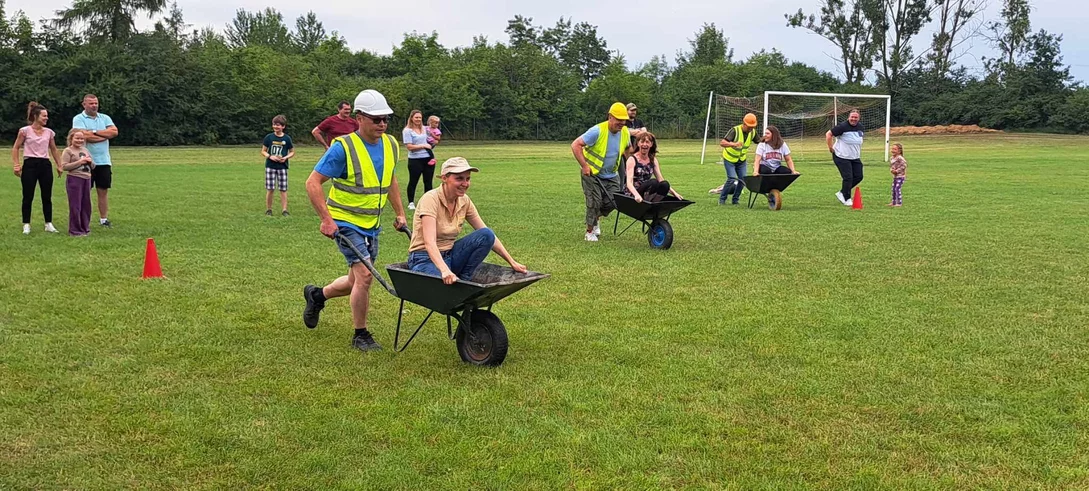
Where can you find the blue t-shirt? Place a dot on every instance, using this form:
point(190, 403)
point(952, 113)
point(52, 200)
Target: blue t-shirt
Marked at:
point(100, 151)
point(612, 151)
point(279, 146)
point(410, 136)
point(334, 165)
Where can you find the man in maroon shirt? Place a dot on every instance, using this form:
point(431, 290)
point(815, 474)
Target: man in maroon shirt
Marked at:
point(334, 126)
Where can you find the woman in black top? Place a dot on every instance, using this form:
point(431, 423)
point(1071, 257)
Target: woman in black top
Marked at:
point(644, 179)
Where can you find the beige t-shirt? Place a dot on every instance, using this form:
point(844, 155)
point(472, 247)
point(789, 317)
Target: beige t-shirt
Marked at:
point(447, 224)
point(71, 155)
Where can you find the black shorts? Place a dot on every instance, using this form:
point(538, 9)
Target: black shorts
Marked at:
point(102, 176)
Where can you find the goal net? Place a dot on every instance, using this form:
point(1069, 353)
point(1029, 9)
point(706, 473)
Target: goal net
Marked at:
point(802, 119)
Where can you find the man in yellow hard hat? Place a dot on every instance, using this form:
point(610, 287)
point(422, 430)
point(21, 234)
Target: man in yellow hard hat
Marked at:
point(600, 152)
point(735, 154)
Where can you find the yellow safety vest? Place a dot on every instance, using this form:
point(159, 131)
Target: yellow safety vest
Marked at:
point(595, 154)
point(738, 155)
point(358, 199)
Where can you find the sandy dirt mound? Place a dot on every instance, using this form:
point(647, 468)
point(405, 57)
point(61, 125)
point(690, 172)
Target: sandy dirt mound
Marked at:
point(952, 129)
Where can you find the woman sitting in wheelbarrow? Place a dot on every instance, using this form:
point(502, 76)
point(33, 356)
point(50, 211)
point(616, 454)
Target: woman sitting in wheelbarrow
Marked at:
point(771, 153)
point(643, 175)
point(435, 249)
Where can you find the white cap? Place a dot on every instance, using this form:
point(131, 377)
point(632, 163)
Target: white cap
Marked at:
point(456, 165)
point(371, 102)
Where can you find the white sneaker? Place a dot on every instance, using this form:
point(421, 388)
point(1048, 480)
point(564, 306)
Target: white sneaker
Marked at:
point(411, 205)
point(590, 237)
point(26, 229)
point(848, 203)
point(597, 230)
point(50, 228)
point(839, 196)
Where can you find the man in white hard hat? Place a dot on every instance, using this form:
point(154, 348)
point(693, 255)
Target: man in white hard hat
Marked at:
point(361, 166)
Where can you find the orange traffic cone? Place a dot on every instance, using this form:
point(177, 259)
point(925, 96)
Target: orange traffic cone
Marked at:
point(152, 269)
point(856, 202)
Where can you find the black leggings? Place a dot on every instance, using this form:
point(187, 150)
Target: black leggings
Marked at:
point(851, 172)
point(418, 168)
point(653, 187)
point(38, 172)
point(782, 169)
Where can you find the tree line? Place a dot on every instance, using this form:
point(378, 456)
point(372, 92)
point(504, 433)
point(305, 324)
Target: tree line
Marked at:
point(175, 85)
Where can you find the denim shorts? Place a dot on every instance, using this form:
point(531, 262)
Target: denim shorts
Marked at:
point(366, 244)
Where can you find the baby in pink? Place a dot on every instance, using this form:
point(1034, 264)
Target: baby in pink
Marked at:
point(434, 135)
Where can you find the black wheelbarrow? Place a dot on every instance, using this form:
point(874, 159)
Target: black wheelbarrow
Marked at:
point(653, 215)
point(771, 185)
point(480, 336)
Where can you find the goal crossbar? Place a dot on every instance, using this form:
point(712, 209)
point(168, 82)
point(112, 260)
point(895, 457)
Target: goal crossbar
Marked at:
point(887, 98)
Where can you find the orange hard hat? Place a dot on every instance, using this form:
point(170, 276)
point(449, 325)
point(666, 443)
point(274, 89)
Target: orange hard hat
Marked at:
point(750, 120)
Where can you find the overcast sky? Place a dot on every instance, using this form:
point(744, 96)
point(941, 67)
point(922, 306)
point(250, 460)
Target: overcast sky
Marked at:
point(640, 30)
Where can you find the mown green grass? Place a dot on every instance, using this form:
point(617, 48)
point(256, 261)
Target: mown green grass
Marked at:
point(940, 345)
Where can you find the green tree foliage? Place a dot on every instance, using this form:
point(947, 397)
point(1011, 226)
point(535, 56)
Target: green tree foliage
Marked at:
point(846, 24)
point(711, 47)
point(113, 19)
point(171, 85)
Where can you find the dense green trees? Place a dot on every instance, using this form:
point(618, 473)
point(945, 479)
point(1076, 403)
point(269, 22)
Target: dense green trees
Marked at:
point(171, 85)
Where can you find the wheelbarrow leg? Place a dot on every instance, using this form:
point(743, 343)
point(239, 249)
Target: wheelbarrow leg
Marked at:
point(397, 334)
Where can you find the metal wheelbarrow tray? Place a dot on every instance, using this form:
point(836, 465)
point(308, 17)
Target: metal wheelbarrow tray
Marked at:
point(654, 217)
point(769, 184)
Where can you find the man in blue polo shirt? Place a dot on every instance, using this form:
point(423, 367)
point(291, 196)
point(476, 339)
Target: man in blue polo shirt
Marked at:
point(99, 131)
point(361, 165)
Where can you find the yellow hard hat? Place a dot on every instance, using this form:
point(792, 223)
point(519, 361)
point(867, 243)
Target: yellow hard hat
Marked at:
point(750, 120)
point(619, 111)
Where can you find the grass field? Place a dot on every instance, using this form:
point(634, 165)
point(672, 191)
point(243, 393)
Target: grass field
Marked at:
point(940, 345)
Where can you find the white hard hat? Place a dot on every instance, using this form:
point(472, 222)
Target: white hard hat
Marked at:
point(372, 102)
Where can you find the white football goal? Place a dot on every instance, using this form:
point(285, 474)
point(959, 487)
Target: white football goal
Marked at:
point(803, 118)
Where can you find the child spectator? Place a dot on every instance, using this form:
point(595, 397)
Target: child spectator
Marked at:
point(277, 150)
point(898, 166)
point(76, 160)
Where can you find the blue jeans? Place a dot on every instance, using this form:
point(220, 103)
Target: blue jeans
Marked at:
point(366, 244)
point(735, 180)
point(463, 259)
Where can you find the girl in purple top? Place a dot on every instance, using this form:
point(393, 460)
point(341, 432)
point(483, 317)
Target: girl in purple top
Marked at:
point(899, 168)
point(36, 142)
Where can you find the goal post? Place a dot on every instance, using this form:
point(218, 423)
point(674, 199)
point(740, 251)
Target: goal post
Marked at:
point(803, 118)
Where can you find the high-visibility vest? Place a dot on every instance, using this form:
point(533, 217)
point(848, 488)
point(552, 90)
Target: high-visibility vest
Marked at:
point(738, 155)
point(358, 199)
point(595, 154)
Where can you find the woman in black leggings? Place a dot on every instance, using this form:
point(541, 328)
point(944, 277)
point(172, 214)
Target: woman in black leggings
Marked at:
point(38, 144)
point(642, 174)
point(420, 163)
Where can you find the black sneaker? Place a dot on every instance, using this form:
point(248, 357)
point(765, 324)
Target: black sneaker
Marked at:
point(268, 213)
point(365, 342)
point(285, 213)
point(106, 223)
point(312, 311)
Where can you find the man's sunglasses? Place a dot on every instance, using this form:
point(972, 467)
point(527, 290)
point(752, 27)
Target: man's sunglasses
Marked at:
point(378, 119)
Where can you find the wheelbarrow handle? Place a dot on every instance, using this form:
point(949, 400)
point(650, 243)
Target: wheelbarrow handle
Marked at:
point(366, 261)
point(604, 190)
point(406, 231)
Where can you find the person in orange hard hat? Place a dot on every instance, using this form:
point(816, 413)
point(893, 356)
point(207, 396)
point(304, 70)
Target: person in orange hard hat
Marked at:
point(600, 152)
point(735, 154)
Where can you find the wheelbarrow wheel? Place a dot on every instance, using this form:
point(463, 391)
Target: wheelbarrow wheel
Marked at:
point(775, 200)
point(660, 234)
point(484, 341)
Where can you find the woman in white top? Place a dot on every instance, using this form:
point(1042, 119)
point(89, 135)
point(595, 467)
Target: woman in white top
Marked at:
point(772, 153)
point(421, 164)
point(37, 143)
